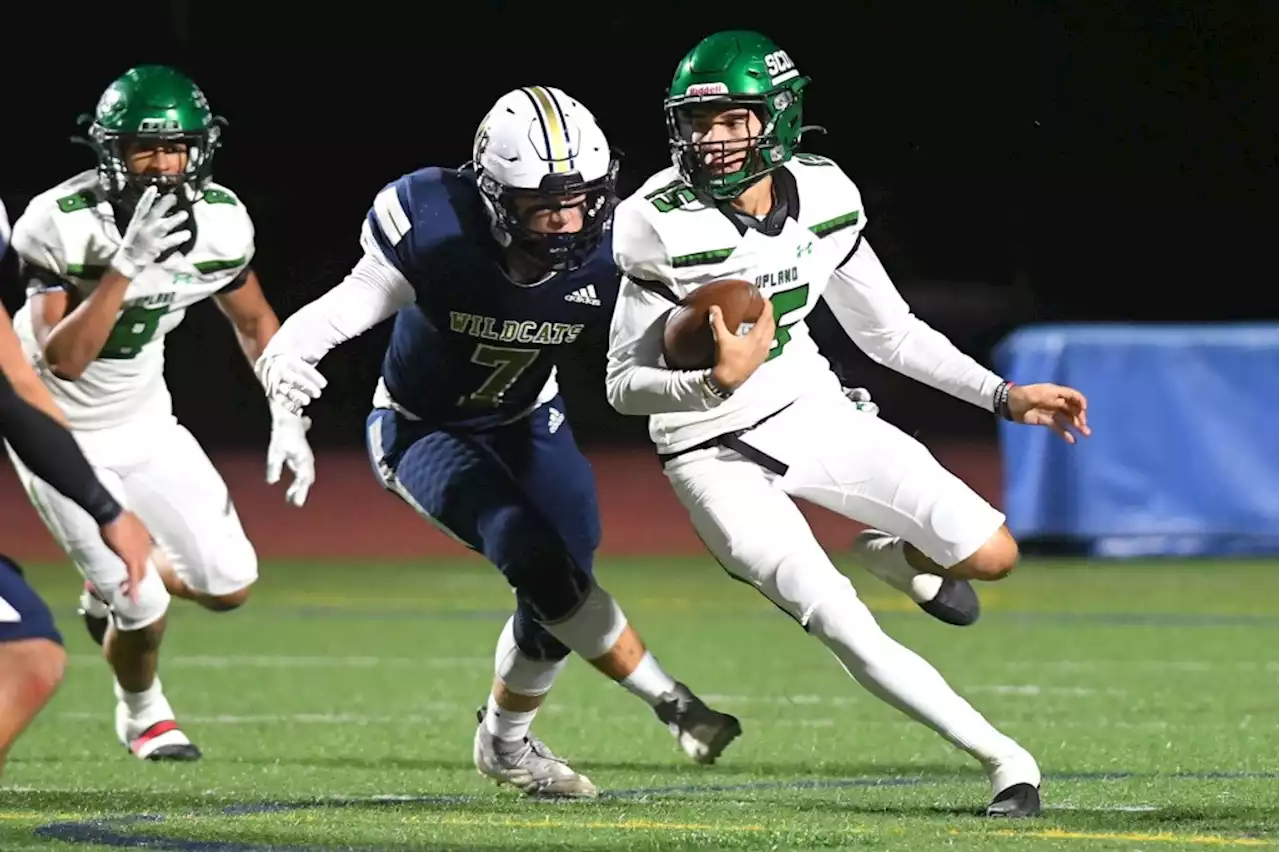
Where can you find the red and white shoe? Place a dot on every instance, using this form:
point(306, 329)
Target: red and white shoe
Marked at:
point(154, 734)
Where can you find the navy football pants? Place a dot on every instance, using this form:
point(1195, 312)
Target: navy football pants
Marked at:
point(521, 494)
point(23, 615)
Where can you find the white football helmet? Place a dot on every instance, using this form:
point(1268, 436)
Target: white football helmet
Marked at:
point(537, 142)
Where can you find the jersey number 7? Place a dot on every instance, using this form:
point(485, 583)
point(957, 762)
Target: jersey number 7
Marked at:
point(508, 364)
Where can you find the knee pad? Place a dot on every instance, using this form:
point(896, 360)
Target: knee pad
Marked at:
point(522, 673)
point(151, 604)
point(533, 640)
point(593, 628)
point(550, 592)
point(799, 586)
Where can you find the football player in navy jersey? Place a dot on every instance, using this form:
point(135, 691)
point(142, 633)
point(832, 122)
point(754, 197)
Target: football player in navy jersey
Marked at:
point(494, 272)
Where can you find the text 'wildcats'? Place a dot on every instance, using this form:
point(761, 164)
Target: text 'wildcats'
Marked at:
point(513, 331)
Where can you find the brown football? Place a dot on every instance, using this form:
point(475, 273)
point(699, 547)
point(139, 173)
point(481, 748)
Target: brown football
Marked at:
point(687, 342)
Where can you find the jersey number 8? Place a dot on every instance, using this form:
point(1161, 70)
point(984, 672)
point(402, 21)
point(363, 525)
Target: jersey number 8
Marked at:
point(134, 330)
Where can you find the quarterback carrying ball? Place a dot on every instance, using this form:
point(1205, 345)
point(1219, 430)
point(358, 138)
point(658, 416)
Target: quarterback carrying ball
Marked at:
point(769, 421)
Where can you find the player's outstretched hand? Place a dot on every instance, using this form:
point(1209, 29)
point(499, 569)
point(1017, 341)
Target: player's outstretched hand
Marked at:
point(738, 357)
point(288, 380)
point(129, 539)
point(1062, 409)
point(289, 447)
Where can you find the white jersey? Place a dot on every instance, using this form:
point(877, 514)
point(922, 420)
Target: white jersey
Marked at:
point(664, 235)
point(66, 238)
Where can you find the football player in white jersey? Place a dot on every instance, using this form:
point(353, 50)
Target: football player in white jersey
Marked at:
point(770, 423)
point(112, 258)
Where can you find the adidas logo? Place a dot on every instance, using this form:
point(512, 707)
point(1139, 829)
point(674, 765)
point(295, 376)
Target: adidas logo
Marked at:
point(555, 418)
point(584, 295)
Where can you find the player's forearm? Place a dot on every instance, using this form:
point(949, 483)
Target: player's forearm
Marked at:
point(18, 370)
point(34, 393)
point(926, 355)
point(636, 389)
point(636, 383)
point(52, 454)
point(74, 343)
point(372, 292)
point(255, 333)
point(876, 317)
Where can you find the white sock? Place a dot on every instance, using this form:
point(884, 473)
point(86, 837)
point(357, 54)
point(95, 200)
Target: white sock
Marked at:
point(649, 681)
point(507, 724)
point(903, 679)
point(140, 702)
point(883, 555)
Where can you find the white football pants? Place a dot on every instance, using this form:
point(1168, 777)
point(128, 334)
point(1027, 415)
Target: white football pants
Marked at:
point(864, 468)
point(156, 468)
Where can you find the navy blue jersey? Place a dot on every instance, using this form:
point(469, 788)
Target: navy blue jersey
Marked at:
point(475, 349)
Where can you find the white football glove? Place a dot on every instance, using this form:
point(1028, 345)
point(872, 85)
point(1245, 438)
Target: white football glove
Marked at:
point(289, 447)
point(289, 381)
point(861, 397)
point(150, 233)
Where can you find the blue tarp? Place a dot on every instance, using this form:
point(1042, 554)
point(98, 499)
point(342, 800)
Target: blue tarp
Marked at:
point(1183, 458)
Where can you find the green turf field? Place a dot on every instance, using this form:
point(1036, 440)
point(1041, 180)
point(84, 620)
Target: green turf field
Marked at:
point(336, 712)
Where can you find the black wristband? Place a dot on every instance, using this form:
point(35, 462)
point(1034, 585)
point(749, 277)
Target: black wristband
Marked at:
point(1000, 401)
point(714, 388)
point(101, 506)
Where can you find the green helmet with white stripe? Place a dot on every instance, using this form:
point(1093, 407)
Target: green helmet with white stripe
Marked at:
point(539, 149)
point(733, 70)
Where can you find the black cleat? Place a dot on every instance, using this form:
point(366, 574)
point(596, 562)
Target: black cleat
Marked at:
point(701, 732)
point(1016, 802)
point(178, 752)
point(95, 624)
point(956, 603)
point(97, 627)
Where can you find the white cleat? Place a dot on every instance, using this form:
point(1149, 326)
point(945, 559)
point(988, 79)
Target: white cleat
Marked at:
point(702, 733)
point(528, 765)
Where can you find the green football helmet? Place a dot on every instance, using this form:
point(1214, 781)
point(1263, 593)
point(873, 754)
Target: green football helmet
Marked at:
point(735, 68)
point(152, 103)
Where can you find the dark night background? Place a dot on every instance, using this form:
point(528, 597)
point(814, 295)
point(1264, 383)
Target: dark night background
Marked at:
point(1020, 162)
